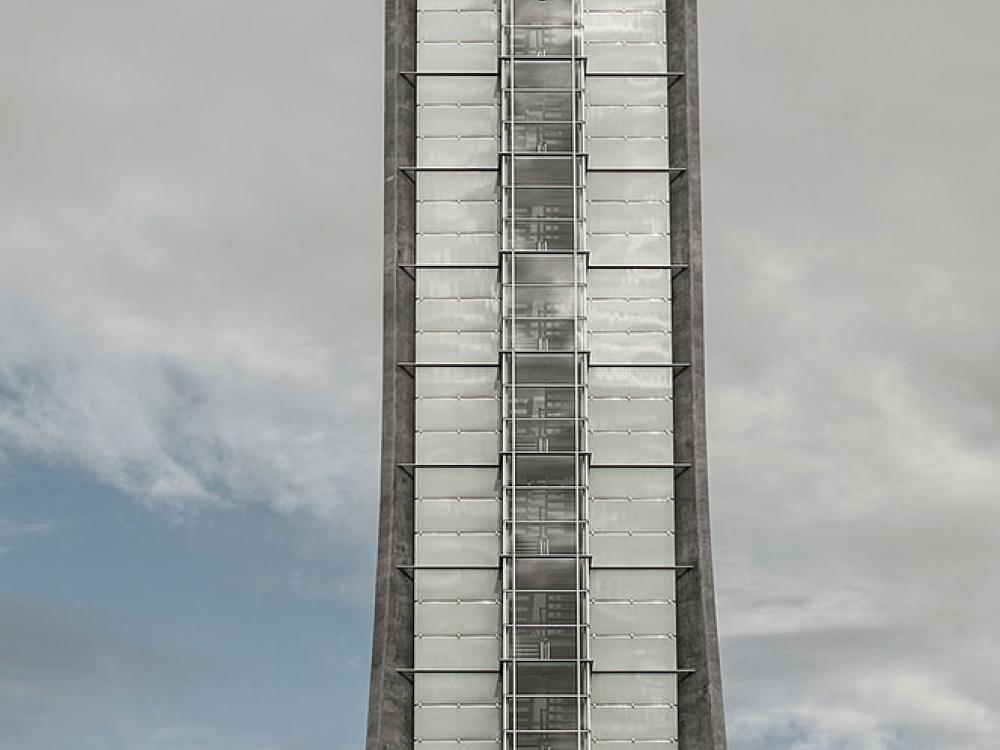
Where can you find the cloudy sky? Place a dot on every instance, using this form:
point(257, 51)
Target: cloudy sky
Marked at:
point(189, 271)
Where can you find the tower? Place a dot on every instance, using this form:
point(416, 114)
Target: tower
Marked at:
point(544, 576)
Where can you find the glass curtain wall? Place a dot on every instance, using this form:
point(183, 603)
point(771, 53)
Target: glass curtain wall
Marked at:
point(544, 571)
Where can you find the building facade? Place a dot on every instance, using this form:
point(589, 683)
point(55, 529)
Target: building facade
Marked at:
point(544, 577)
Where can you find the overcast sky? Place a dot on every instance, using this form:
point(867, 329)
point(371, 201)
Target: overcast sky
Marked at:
point(189, 294)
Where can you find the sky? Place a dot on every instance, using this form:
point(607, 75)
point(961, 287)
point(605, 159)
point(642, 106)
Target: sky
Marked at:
point(189, 371)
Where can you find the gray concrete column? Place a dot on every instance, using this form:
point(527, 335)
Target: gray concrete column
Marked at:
point(700, 713)
point(390, 703)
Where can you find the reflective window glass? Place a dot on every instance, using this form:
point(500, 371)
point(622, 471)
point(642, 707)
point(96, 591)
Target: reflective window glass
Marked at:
point(542, 436)
point(543, 234)
point(543, 301)
point(543, 170)
point(546, 608)
point(547, 713)
point(544, 270)
point(537, 106)
point(539, 74)
point(546, 679)
point(545, 471)
point(541, 369)
point(540, 574)
point(545, 643)
point(548, 12)
point(545, 505)
point(547, 203)
point(564, 741)
point(545, 538)
point(542, 138)
point(538, 42)
point(544, 402)
point(545, 335)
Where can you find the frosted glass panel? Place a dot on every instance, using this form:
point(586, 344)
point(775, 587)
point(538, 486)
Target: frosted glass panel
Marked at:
point(634, 348)
point(617, 218)
point(652, 484)
point(621, 186)
point(464, 26)
point(443, 217)
point(466, 347)
point(458, 248)
point(453, 120)
point(629, 315)
point(606, 57)
point(470, 652)
point(622, 585)
point(458, 315)
point(638, 723)
point(455, 483)
point(453, 414)
point(634, 448)
point(612, 5)
point(456, 584)
point(456, 688)
point(631, 515)
point(622, 618)
point(463, 282)
point(639, 549)
point(634, 90)
point(640, 689)
point(456, 722)
point(637, 250)
point(467, 382)
point(631, 283)
point(467, 57)
point(456, 186)
point(457, 549)
point(611, 153)
point(456, 152)
point(637, 414)
point(467, 618)
point(473, 745)
point(458, 90)
point(617, 26)
point(457, 515)
point(633, 653)
point(627, 121)
point(476, 4)
point(623, 381)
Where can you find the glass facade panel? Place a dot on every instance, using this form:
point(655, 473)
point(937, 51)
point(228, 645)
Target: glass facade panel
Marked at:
point(457, 57)
point(631, 723)
point(547, 679)
point(469, 382)
point(637, 585)
point(465, 652)
point(638, 653)
point(448, 618)
point(468, 548)
point(452, 483)
point(631, 515)
point(447, 120)
point(629, 250)
point(457, 315)
point(456, 688)
point(538, 574)
point(534, 714)
point(456, 584)
point(456, 722)
point(637, 689)
point(457, 515)
point(542, 12)
point(456, 26)
point(546, 608)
